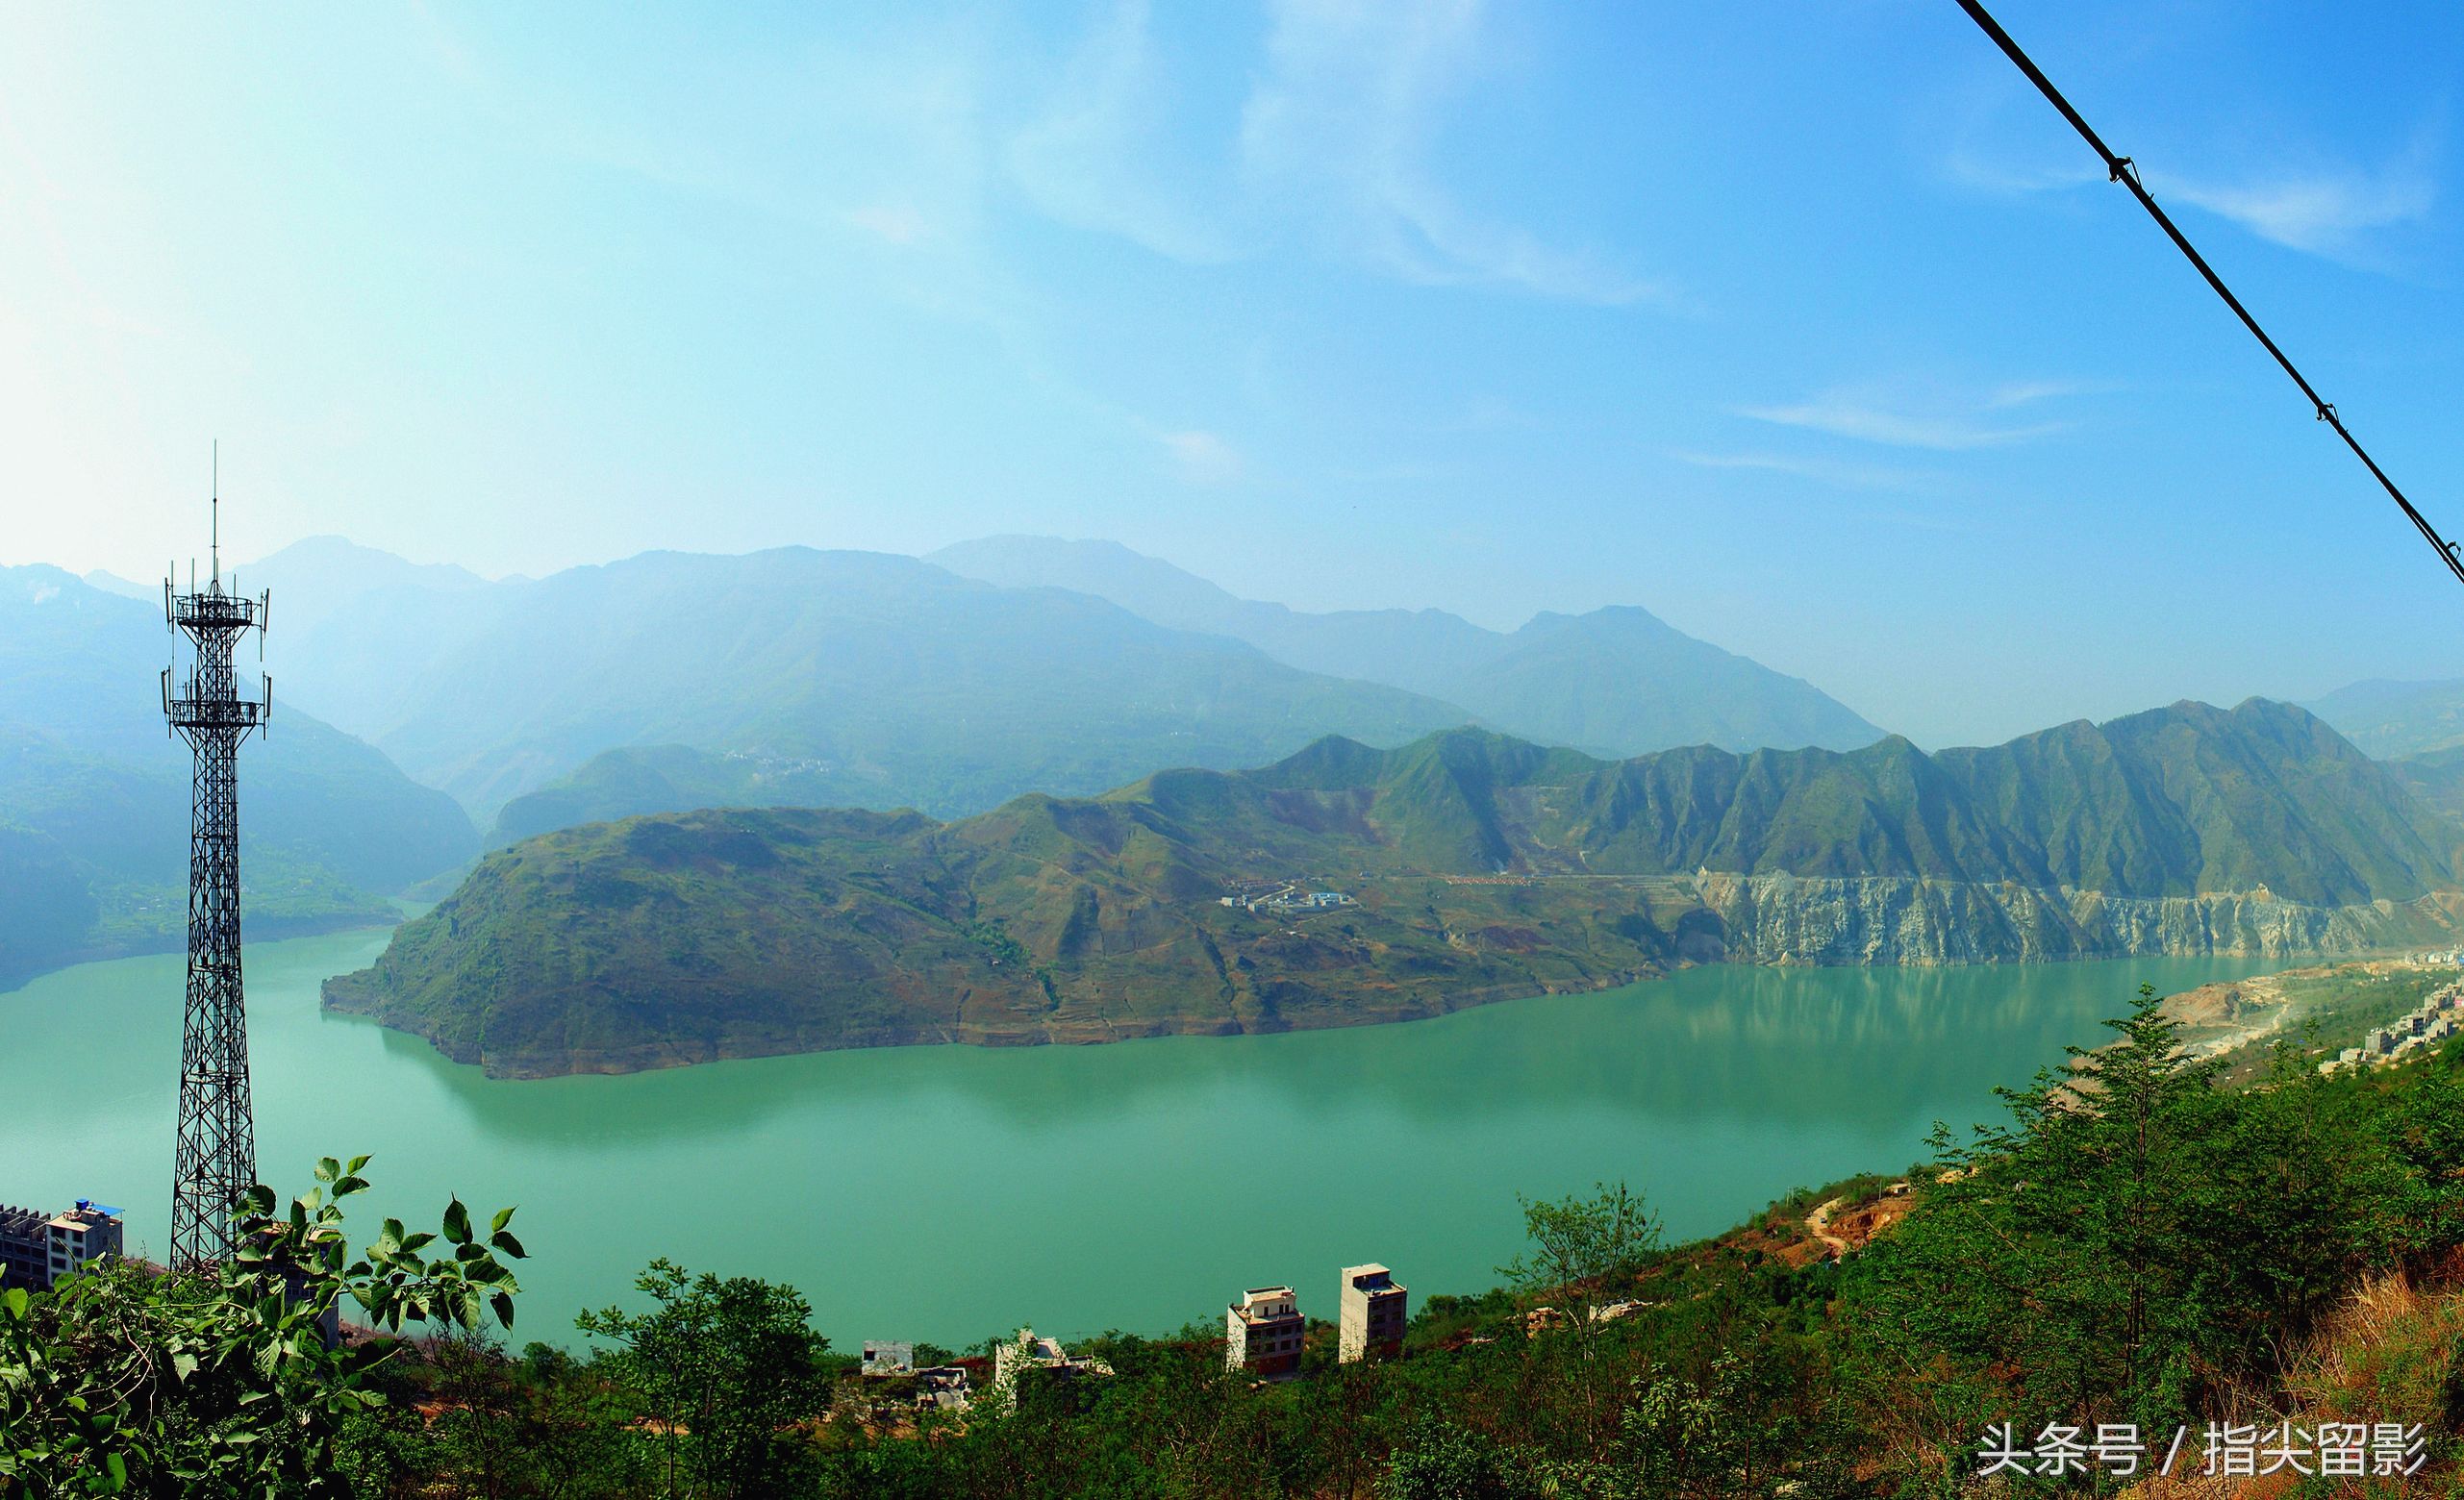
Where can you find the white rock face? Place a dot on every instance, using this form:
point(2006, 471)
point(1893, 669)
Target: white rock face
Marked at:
point(1802, 919)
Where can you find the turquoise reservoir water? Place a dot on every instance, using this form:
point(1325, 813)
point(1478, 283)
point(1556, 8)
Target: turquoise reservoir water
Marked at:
point(946, 1193)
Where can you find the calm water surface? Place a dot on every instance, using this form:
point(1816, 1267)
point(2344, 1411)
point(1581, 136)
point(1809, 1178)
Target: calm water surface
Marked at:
point(946, 1193)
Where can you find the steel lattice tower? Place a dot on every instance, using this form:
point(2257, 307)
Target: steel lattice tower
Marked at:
point(216, 1157)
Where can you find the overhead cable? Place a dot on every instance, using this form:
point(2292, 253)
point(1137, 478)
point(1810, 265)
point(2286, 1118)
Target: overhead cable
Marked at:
point(2122, 171)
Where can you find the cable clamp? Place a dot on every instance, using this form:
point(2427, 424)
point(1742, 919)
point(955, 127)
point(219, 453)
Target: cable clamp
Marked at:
point(2327, 413)
point(2122, 168)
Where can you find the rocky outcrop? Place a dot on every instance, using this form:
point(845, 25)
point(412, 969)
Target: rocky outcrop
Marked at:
point(1800, 919)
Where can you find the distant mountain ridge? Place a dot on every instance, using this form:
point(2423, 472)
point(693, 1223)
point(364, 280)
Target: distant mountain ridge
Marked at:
point(2392, 720)
point(1473, 867)
point(1615, 682)
point(671, 680)
point(890, 681)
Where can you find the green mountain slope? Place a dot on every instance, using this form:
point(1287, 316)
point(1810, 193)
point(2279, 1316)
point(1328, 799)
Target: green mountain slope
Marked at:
point(1475, 867)
point(90, 777)
point(1615, 682)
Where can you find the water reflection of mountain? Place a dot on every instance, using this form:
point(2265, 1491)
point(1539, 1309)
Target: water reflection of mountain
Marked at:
point(1800, 1046)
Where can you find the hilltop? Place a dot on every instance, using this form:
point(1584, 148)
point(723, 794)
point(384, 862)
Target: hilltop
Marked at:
point(1464, 867)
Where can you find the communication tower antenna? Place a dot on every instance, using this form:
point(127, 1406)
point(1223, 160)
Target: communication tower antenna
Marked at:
point(215, 1160)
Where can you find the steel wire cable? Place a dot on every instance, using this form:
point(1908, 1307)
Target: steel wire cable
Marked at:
point(2123, 172)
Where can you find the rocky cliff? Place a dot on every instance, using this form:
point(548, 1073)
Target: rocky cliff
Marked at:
point(1881, 919)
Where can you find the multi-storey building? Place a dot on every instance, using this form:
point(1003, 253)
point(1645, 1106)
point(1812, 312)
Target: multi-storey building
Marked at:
point(1262, 1333)
point(88, 1232)
point(25, 1248)
point(39, 1250)
point(1373, 1307)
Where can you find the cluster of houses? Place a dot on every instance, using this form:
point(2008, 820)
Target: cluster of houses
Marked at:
point(1261, 1334)
point(1281, 898)
point(2431, 1022)
point(891, 1368)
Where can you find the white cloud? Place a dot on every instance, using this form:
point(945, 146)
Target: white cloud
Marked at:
point(2326, 212)
point(1942, 421)
point(1203, 456)
point(2316, 205)
point(1336, 148)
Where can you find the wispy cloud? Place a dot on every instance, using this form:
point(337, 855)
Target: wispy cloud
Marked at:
point(1347, 115)
point(1970, 167)
point(2320, 205)
point(1821, 472)
point(1939, 421)
point(898, 223)
point(1089, 161)
point(1336, 149)
point(2328, 210)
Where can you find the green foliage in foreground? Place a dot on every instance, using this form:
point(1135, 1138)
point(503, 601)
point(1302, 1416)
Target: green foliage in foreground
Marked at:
point(223, 1382)
point(2133, 1244)
point(726, 1368)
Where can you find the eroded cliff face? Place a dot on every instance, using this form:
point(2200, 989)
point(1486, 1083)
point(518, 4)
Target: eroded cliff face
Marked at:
point(1800, 919)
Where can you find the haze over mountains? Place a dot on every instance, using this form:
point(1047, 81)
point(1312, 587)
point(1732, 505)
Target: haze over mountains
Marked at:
point(1474, 866)
point(2392, 720)
point(863, 678)
point(796, 677)
point(1616, 682)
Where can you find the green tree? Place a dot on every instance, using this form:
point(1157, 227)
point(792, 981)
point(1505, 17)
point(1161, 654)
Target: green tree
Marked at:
point(2131, 1239)
point(222, 1381)
point(1583, 1256)
point(1439, 1461)
point(727, 1369)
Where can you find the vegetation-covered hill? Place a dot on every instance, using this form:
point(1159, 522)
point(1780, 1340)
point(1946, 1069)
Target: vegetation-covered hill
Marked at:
point(1616, 682)
point(94, 794)
point(1472, 866)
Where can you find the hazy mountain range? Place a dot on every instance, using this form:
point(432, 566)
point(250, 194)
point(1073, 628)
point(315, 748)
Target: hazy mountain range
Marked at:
point(1616, 682)
point(1476, 865)
point(671, 680)
point(2392, 720)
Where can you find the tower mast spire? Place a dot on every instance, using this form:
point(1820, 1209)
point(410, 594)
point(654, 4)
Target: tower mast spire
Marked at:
point(215, 1160)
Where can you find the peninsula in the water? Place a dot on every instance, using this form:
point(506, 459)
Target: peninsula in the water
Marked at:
point(1346, 885)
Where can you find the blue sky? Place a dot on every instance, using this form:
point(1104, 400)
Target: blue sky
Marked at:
point(1807, 326)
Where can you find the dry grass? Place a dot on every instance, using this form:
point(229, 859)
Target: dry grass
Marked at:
point(2391, 1352)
